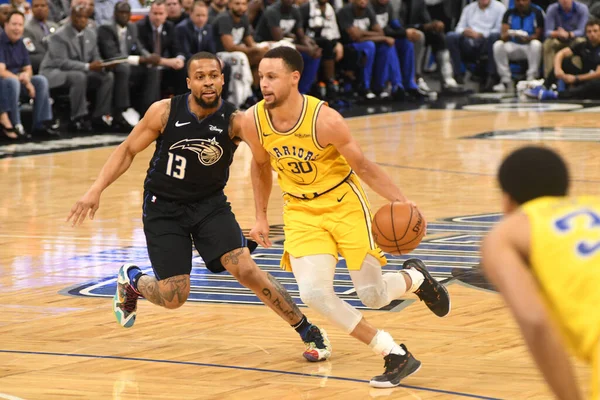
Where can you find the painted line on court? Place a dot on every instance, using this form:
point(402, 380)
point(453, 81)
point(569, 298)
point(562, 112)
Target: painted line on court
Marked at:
point(272, 371)
point(448, 171)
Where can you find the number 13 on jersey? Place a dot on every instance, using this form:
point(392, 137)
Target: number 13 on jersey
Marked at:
point(176, 166)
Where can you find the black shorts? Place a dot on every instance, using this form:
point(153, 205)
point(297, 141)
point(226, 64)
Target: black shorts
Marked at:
point(171, 227)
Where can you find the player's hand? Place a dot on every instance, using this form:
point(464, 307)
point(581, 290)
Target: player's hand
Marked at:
point(90, 202)
point(569, 79)
point(260, 233)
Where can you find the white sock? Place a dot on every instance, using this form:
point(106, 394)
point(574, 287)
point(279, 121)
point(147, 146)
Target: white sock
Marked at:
point(383, 344)
point(416, 277)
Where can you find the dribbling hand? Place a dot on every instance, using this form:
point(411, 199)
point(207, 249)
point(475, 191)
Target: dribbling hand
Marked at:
point(260, 234)
point(90, 202)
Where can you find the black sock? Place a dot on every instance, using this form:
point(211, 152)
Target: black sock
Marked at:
point(302, 326)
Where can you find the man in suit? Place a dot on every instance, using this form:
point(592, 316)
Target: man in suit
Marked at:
point(194, 34)
point(59, 10)
point(73, 61)
point(158, 35)
point(175, 12)
point(120, 40)
point(36, 33)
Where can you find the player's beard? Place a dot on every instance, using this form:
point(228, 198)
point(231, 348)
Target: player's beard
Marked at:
point(200, 101)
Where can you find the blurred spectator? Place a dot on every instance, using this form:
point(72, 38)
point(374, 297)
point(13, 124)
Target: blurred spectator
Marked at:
point(441, 10)
point(237, 48)
point(4, 10)
point(175, 12)
point(584, 82)
point(59, 10)
point(73, 62)
point(256, 9)
point(36, 33)
point(158, 36)
point(23, 7)
point(120, 40)
point(104, 11)
point(282, 20)
point(424, 31)
point(216, 7)
point(475, 35)
point(194, 34)
point(320, 24)
point(18, 81)
point(565, 26)
point(359, 29)
point(187, 5)
point(86, 7)
point(522, 29)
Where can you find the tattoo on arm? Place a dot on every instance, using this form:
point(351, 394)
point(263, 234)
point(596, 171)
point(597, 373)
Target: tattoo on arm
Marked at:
point(164, 118)
point(282, 299)
point(233, 128)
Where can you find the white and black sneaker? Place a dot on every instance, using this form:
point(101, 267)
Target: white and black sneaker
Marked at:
point(397, 367)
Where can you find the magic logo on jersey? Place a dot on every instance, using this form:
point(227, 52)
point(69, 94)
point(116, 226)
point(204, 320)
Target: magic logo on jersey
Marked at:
point(451, 252)
point(208, 150)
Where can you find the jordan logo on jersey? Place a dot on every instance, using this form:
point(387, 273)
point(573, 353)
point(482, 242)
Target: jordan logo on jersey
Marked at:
point(209, 151)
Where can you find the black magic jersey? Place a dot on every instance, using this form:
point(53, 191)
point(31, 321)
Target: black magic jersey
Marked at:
point(192, 156)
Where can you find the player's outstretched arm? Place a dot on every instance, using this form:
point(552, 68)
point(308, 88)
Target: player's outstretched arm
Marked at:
point(262, 177)
point(504, 252)
point(144, 133)
point(332, 129)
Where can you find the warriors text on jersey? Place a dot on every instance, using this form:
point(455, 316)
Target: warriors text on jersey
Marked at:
point(304, 167)
point(565, 259)
point(192, 156)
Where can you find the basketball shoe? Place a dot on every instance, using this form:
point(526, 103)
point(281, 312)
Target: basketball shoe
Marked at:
point(125, 299)
point(397, 367)
point(317, 344)
point(433, 293)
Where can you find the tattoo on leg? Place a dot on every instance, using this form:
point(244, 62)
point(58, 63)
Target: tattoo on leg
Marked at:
point(175, 286)
point(233, 257)
point(148, 287)
point(282, 300)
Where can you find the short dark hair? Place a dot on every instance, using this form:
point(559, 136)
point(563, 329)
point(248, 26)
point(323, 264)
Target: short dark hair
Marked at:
point(531, 172)
point(14, 12)
point(592, 21)
point(291, 57)
point(120, 4)
point(156, 3)
point(203, 55)
point(198, 3)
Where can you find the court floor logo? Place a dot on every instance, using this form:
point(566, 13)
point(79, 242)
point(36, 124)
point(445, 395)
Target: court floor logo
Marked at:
point(562, 134)
point(450, 250)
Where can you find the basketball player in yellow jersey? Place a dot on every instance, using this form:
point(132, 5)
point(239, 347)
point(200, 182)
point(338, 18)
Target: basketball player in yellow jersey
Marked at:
point(326, 211)
point(544, 258)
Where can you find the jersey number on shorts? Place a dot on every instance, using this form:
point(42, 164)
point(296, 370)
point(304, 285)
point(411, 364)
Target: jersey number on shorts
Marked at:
point(176, 166)
point(584, 248)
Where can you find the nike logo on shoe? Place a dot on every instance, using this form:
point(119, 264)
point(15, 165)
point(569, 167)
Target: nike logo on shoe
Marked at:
point(342, 198)
point(178, 124)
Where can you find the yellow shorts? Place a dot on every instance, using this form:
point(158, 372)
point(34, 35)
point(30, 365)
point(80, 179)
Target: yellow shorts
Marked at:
point(338, 221)
point(595, 386)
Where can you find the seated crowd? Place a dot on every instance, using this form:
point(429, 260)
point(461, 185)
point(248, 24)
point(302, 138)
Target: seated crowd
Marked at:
point(91, 58)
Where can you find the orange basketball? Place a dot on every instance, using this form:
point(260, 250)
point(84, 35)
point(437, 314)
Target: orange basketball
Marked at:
point(398, 228)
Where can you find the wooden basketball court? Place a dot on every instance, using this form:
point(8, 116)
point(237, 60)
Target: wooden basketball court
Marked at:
point(59, 338)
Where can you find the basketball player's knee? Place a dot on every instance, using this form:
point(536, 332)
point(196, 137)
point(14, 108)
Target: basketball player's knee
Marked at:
point(248, 274)
point(372, 296)
point(316, 297)
point(176, 303)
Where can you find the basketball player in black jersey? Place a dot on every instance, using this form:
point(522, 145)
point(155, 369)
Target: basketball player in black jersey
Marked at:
point(196, 135)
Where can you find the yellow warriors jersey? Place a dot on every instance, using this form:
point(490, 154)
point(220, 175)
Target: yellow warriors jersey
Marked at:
point(565, 259)
point(305, 169)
